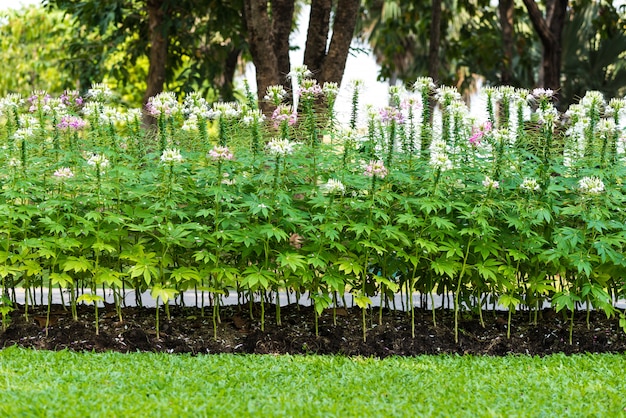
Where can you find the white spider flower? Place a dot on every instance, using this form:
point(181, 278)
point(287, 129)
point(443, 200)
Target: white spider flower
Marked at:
point(591, 185)
point(64, 173)
point(530, 184)
point(280, 147)
point(171, 156)
point(333, 187)
point(489, 183)
point(98, 160)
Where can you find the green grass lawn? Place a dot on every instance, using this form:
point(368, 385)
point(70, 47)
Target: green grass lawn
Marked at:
point(41, 383)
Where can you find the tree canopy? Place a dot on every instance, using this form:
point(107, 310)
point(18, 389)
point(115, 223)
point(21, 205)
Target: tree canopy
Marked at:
point(146, 46)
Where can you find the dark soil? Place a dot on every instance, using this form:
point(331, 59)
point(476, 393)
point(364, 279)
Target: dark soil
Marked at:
point(187, 331)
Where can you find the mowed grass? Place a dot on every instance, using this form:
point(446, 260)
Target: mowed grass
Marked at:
point(68, 384)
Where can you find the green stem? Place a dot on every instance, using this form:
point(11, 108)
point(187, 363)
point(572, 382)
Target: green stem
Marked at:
point(458, 290)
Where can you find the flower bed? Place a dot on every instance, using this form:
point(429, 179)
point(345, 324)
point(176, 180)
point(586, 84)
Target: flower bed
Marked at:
point(521, 208)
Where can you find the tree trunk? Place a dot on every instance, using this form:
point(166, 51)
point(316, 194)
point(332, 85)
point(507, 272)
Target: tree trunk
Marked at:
point(435, 39)
point(269, 26)
point(343, 31)
point(260, 39)
point(226, 82)
point(505, 8)
point(282, 19)
point(158, 53)
point(550, 31)
point(317, 36)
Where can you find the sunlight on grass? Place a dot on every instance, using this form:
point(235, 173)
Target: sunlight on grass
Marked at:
point(40, 383)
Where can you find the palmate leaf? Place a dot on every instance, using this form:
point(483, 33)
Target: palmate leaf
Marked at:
point(254, 277)
point(392, 286)
point(101, 246)
point(89, 298)
point(272, 231)
point(77, 264)
point(181, 274)
point(31, 267)
point(109, 277)
point(380, 250)
point(321, 301)
point(564, 300)
point(509, 301)
point(362, 301)
point(443, 266)
point(361, 229)
point(317, 262)
point(488, 269)
point(61, 279)
point(6, 270)
point(350, 265)
point(292, 260)
point(165, 294)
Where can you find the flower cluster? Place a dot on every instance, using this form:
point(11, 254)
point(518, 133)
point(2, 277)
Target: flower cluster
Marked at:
point(530, 185)
point(548, 115)
point(10, 101)
point(446, 95)
point(284, 113)
point(593, 100)
point(162, 104)
point(390, 114)
point(542, 94)
point(39, 101)
point(24, 133)
point(478, 132)
point(71, 99)
point(171, 156)
point(489, 183)
point(280, 147)
point(196, 106)
point(424, 85)
point(333, 187)
point(376, 169)
point(64, 173)
point(74, 123)
point(275, 94)
point(225, 110)
point(309, 89)
point(299, 73)
point(591, 185)
point(98, 161)
point(439, 157)
point(99, 92)
point(252, 116)
point(330, 90)
point(221, 154)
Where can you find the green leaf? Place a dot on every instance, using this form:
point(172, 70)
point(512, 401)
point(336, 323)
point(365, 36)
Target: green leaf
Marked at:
point(488, 269)
point(392, 286)
point(77, 264)
point(89, 298)
point(350, 266)
point(361, 229)
point(443, 266)
point(509, 301)
point(362, 301)
point(61, 279)
point(6, 270)
point(380, 250)
point(564, 300)
point(321, 301)
point(165, 294)
point(292, 260)
point(101, 246)
point(181, 274)
point(108, 277)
